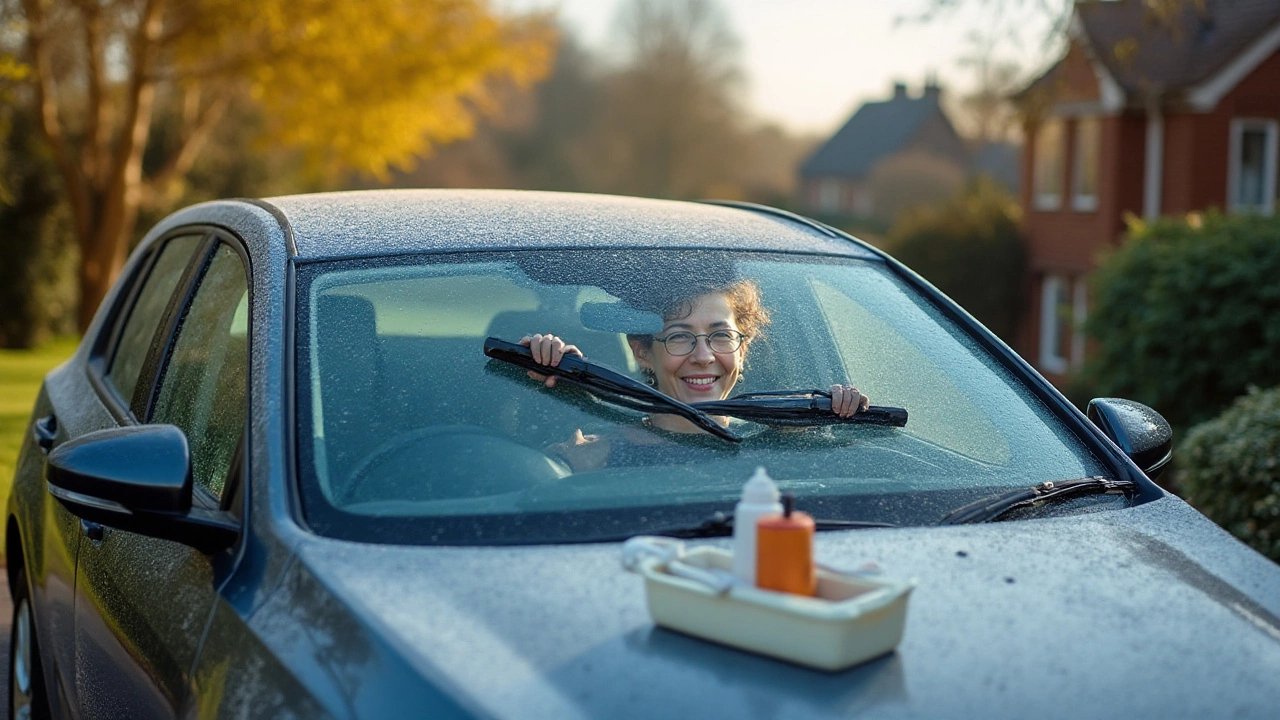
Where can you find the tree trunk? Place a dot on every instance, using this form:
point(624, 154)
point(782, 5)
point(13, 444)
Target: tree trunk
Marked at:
point(102, 256)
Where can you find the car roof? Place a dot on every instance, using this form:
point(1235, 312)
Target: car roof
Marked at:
point(395, 222)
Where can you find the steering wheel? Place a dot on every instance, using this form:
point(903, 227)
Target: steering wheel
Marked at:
point(444, 462)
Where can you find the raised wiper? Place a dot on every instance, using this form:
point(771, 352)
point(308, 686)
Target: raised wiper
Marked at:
point(991, 508)
point(606, 384)
point(721, 525)
point(798, 407)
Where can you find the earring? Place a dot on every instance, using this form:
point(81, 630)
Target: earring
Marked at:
point(650, 377)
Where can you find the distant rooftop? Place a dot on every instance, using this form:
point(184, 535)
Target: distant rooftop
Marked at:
point(876, 130)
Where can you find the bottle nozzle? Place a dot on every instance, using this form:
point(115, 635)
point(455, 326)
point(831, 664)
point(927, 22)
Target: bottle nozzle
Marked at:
point(760, 488)
point(788, 504)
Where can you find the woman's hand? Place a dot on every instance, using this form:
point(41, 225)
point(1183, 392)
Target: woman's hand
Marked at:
point(846, 400)
point(547, 350)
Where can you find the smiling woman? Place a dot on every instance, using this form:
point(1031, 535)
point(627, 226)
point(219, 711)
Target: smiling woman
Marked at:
point(699, 355)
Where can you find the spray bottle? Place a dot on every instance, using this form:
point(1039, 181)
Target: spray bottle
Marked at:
point(759, 498)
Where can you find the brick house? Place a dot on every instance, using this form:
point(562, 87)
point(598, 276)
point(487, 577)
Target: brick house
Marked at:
point(836, 178)
point(1140, 118)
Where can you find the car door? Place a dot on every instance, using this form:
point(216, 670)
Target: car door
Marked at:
point(141, 603)
point(114, 362)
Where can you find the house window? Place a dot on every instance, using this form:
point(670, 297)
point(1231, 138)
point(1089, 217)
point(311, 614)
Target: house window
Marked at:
point(1056, 314)
point(829, 195)
point(1084, 184)
point(1048, 166)
point(1251, 175)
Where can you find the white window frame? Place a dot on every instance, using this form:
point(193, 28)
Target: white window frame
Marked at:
point(1239, 126)
point(1050, 328)
point(1041, 199)
point(1080, 201)
point(1079, 311)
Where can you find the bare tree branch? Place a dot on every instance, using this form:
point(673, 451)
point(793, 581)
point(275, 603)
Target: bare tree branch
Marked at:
point(51, 124)
point(198, 126)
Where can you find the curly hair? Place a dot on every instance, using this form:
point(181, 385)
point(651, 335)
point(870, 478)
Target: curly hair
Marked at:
point(749, 312)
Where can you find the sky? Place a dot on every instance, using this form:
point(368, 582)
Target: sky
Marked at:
point(811, 63)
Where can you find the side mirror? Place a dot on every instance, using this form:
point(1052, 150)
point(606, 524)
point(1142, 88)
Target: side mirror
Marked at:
point(1142, 433)
point(137, 478)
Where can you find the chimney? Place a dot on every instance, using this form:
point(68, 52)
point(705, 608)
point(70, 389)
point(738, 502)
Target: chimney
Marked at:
point(931, 88)
point(899, 91)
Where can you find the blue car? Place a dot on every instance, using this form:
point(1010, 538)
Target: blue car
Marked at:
point(375, 454)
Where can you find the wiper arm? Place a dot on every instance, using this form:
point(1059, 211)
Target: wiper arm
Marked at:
point(606, 384)
point(991, 508)
point(721, 525)
point(798, 407)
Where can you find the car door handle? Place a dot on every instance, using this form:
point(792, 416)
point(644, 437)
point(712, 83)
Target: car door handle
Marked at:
point(45, 430)
point(95, 532)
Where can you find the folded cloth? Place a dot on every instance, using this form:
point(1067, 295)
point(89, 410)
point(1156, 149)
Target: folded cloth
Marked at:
point(666, 554)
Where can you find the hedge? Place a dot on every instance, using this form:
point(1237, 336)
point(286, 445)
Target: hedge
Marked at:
point(1229, 469)
point(1186, 315)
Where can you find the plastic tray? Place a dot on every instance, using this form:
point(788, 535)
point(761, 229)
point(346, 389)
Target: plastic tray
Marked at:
point(854, 618)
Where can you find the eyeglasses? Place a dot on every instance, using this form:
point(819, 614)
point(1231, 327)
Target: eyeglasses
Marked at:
point(683, 343)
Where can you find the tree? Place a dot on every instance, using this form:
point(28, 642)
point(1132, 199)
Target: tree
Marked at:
point(985, 110)
point(670, 126)
point(361, 85)
point(1005, 17)
point(971, 248)
point(554, 138)
point(37, 255)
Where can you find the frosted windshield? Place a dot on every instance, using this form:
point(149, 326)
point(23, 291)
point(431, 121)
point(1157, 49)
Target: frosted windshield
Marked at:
point(403, 417)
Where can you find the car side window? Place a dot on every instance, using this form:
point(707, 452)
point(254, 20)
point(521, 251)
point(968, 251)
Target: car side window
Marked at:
point(143, 318)
point(204, 387)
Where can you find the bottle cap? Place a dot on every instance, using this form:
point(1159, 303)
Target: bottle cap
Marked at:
point(760, 488)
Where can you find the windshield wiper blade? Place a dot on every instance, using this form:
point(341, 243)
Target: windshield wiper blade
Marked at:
point(606, 384)
point(721, 525)
point(992, 508)
point(798, 407)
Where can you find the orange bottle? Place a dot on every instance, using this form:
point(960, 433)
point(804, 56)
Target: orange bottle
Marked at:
point(784, 551)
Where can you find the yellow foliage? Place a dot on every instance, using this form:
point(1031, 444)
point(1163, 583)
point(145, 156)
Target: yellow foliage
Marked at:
point(368, 84)
point(12, 69)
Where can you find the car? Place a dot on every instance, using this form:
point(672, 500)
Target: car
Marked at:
point(298, 467)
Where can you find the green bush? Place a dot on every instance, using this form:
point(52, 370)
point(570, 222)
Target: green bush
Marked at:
point(971, 249)
point(1186, 315)
point(1229, 469)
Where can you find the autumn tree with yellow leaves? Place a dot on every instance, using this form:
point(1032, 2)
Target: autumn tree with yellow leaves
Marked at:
point(353, 85)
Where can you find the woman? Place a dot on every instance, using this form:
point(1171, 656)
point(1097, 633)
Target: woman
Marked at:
point(698, 356)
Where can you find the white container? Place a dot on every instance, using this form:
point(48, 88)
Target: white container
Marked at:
point(854, 618)
point(759, 498)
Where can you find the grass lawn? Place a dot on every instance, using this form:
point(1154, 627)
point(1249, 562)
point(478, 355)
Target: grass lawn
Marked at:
point(20, 374)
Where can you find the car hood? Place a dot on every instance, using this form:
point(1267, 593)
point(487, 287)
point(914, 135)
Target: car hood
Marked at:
point(1150, 611)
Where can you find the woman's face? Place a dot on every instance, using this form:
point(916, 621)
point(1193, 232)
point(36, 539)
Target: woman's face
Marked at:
point(702, 374)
